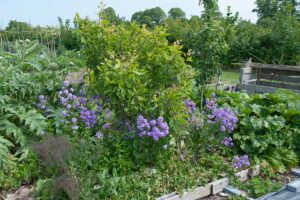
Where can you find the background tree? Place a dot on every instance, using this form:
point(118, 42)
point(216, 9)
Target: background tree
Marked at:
point(151, 17)
point(16, 26)
point(110, 15)
point(69, 39)
point(176, 13)
point(268, 8)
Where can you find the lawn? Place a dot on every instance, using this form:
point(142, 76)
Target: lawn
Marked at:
point(230, 76)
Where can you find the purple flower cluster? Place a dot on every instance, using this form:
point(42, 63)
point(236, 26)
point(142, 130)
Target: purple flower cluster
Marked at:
point(190, 105)
point(88, 117)
point(67, 98)
point(227, 142)
point(99, 135)
point(239, 162)
point(153, 128)
point(225, 117)
point(211, 104)
point(42, 102)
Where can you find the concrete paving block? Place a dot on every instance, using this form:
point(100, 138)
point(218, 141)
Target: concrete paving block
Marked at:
point(218, 186)
point(176, 197)
point(197, 193)
point(243, 175)
point(234, 191)
point(166, 196)
point(294, 186)
point(254, 171)
point(296, 172)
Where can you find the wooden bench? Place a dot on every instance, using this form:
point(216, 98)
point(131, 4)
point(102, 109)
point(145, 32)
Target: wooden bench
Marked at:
point(267, 78)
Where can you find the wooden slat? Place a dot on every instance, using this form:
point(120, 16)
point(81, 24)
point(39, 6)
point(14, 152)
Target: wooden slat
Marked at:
point(260, 88)
point(280, 72)
point(281, 78)
point(279, 85)
point(247, 77)
point(276, 67)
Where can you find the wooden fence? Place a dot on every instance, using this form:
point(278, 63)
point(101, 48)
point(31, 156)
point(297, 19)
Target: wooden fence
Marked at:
point(267, 78)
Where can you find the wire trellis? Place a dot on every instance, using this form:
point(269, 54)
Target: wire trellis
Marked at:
point(50, 38)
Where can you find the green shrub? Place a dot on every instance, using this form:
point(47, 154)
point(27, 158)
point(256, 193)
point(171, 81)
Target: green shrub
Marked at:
point(137, 70)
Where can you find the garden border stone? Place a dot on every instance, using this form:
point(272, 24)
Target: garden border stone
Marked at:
point(211, 188)
point(296, 172)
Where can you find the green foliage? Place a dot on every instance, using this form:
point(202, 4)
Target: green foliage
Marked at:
point(14, 25)
point(138, 71)
point(269, 8)
point(151, 17)
point(268, 127)
point(97, 181)
point(68, 38)
point(23, 76)
point(110, 15)
point(209, 46)
point(15, 172)
point(257, 187)
point(176, 13)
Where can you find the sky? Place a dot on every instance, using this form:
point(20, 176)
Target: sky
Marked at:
point(45, 12)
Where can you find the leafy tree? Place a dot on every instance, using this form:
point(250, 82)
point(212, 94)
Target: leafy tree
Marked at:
point(151, 17)
point(14, 25)
point(69, 39)
point(176, 13)
point(268, 8)
point(211, 9)
point(110, 15)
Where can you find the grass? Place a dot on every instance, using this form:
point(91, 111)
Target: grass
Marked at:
point(230, 76)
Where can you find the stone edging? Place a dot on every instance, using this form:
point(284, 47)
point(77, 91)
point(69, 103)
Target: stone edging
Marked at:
point(211, 188)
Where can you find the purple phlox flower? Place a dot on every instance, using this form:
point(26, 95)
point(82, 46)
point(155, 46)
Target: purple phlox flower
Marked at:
point(106, 126)
point(81, 92)
point(227, 119)
point(88, 117)
point(74, 120)
point(70, 96)
point(75, 127)
point(66, 92)
point(211, 104)
point(77, 104)
point(99, 108)
point(227, 141)
point(99, 135)
point(42, 97)
point(64, 113)
point(108, 114)
point(82, 101)
point(66, 83)
point(69, 106)
point(155, 128)
point(42, 102)
point(152, 122)
point(190, 105)
point(142, 124)
point(239, 162)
